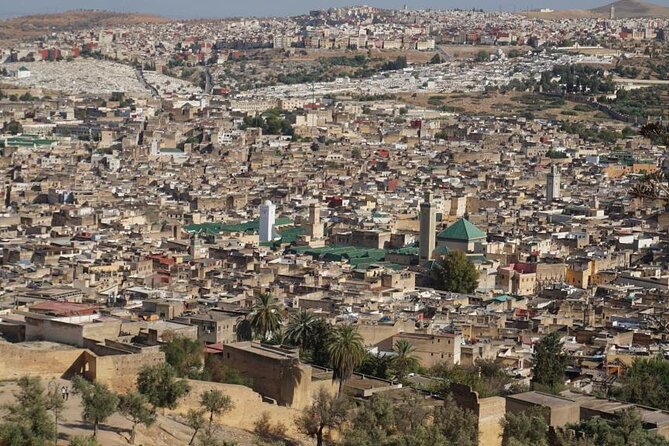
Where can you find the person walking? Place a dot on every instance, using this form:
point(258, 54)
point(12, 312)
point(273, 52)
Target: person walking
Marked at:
point(63, 391)
point(67, 393)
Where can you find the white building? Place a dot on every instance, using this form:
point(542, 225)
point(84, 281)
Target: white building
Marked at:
point(267, 219)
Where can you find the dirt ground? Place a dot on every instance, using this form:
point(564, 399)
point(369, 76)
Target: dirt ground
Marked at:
point(496, 104)
point(168, 430)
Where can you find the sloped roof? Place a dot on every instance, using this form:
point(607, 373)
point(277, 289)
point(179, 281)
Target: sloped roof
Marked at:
point(462, 230)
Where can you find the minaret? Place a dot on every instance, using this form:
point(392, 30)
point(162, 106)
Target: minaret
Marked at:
point(315, 224)
point(553, 184)
point(612, 14)
point(428, 228)
point(267, 219)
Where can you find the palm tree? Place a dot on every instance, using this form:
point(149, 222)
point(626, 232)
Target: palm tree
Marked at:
point(300, 328)
point(266, 316)
point(404, 360)
point(346, 353)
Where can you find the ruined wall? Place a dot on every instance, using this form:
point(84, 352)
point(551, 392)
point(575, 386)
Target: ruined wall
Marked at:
point(285, 380)
point(488, 411)
point(120, 372)
point(36, 359)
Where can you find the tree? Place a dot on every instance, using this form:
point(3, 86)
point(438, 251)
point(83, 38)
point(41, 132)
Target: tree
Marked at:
point(266, 316)
point(84, 441)
point(346, 353)
point(316, 347)
point(185, 355)
point(195, 420)
point(522, 429)
point(376, 365)
point(550, 363)
point(455, 273)
point(135, 407)
point(55, 405)
point(98, 402)
point(13, 128)
point(216, 403)
point(458, 426)
point(300, 328)
point(326, 412)
point(646, 382)
point(482, 56)
point(404, 360)
point(160, 385)
point(27, 421)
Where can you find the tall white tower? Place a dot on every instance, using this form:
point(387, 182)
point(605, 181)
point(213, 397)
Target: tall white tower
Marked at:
point(267, 219)
point(428, 228)
point(553, 184)
point(612, 13)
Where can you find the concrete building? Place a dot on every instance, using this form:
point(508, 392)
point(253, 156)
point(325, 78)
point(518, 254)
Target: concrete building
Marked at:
point(267, 220)
point(428, 221)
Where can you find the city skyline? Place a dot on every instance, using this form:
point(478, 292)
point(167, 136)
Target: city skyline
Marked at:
point(212, 8)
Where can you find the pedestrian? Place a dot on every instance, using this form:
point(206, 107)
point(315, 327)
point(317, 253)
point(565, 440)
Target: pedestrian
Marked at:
point(63, 391)
point(67, 393)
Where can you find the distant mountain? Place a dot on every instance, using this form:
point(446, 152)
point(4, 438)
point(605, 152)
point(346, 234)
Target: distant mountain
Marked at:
point(33, 26)
point(633, 8)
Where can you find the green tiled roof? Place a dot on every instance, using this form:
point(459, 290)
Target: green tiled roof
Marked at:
point(26, 141)
point(462, 230)
point(249, 226)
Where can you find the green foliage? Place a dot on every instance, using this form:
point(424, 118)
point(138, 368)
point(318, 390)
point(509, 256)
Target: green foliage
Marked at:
point(626, 429)
point(266, 316)
point(640, 103)
point(487, 378)
point(525, 429)
point(656, 132)
point(185, 355)
point(591, 133)
point(160, 385)
point(550, 363)
point(98, 402)
point(300, 327)
point(217, 371)
point(135, 407)
point(266, 430)
point(482, 56)
point(646, 382)
point(380, 422)
point(270, 122)
point(404, 361)
point(216, 403)
point(316, 348)
point(326, 412)
point(195, 420)
point(358, 60)
point(346, 351)
point(577, 78)
point(398, 64)
point(27, 422)
point(84, 441)
point(455, 273)
point(377, 365)
point(13, 128)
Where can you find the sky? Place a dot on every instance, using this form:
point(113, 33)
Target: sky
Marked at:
point(232, 8)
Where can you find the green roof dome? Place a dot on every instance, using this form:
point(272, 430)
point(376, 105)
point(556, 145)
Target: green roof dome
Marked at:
point(462, 230)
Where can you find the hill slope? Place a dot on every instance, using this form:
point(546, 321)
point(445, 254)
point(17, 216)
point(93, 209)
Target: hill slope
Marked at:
point(30, 27)
point(633, 8)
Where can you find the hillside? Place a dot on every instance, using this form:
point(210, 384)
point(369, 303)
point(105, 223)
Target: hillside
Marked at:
point(30, 27)
point(633, 8)
point(624, 9)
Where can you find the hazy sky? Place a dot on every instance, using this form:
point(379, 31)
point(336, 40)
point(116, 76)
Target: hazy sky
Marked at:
point(226, 8)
